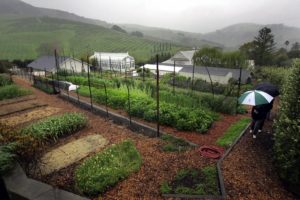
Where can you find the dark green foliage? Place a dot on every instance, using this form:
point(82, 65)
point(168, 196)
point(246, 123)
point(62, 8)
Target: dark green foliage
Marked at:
point(214, 57)
point(174, 144)
point(13, 91)
point(55, 126)
point(46, 88)
point(287, 129)
point(193, 182)
point(233, 132)
point(5, 80)
point(7, 159)
point(142, 105)
point(107, 168)
point(274, 75)
point(264, 46)
point(118, 28)
point(4, 66)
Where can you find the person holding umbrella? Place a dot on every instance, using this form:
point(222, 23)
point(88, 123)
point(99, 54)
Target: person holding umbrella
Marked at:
point(261, 105)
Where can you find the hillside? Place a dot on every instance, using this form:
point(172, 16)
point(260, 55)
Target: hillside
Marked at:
point(180, 37)
point(236, 35)
point(27, 38)
point(20, 9)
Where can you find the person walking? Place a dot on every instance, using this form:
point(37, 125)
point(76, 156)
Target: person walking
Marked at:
point(259, 115)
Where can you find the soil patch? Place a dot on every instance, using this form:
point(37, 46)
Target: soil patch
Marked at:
point(67, 154)
point(16, 100)
point(21, 106)
point(29, 116)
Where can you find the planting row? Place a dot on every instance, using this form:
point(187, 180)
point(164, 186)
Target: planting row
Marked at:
point(9, 90)
point(24, 143)
point(181, 97)
point(143, 106)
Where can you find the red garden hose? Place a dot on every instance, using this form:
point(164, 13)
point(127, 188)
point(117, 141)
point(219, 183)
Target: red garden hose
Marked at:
point(211, 151)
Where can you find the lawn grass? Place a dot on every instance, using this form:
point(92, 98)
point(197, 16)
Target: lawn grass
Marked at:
point(193, 182)
point(233, 132)
point(13, 91)
point(105, 169)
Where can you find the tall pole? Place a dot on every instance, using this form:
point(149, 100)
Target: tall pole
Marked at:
point(157, 94)
point(88, 69)
point(239, 88)
point(57, 69)
point(174, 79)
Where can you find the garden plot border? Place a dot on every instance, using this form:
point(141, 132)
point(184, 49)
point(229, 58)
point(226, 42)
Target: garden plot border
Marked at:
point(19, 186)
point(222, 190)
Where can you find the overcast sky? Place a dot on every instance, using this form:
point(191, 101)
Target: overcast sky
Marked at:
point(188, 15)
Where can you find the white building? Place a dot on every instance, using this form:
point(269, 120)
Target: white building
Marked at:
point(114, 61)
point(163, 69)
point(48, 63)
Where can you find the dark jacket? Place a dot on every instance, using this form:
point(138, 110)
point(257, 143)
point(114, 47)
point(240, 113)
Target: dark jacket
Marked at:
point(260, 112)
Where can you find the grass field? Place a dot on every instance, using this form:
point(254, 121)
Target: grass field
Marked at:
point(27, 38)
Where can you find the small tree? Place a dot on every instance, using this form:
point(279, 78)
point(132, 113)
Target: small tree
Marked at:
point(264, 47)
point(287, 129)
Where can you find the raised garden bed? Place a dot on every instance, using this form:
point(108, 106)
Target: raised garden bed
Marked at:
point(193, 182)
point(105, 169)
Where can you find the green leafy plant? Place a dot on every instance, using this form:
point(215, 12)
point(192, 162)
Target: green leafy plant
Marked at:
point(193, 182)
point(55, 126)
point(105, 169)
point(5, 80)
point(233, 132)
point(12, 91)
point(287, 129)
point(7, 158)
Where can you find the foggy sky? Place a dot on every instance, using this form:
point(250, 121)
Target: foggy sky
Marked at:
point(188, 15)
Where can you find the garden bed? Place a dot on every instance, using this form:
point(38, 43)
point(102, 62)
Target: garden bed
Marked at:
point(157, 165)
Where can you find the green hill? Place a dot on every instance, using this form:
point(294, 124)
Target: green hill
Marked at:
point(27, 38)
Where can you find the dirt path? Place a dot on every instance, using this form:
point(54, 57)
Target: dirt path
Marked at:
point(249, 172)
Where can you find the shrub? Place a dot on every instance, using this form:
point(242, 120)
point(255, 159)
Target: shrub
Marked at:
point(55, 126)
point(7, 159)
point(12, 91)
point(106, 168)
point(48, 89)
point(287, 129)
point(233, 132)
point(5, 80)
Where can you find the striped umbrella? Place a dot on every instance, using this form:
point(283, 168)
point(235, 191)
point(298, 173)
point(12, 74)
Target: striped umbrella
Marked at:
point(255, 97)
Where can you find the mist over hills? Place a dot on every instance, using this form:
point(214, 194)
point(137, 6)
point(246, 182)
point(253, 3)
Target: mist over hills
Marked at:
point(34, 27)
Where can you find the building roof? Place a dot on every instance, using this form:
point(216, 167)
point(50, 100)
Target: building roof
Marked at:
point(112, 56)
point(166, 68)
point(182, 58)
point(216, 71)
point(46, 63)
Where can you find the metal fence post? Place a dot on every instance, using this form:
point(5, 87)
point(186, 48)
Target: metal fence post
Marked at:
point(157, 95)
point(129, 104)
point(89, 81)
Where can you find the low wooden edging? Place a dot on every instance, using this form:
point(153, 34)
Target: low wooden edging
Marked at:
point(222, 195)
